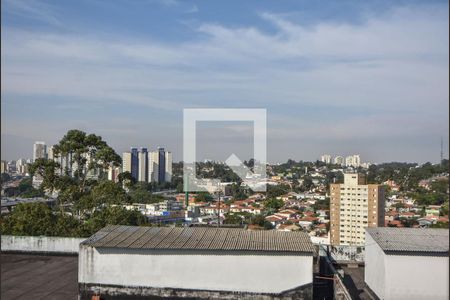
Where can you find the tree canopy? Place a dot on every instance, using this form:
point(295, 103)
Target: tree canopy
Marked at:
point(84, 203)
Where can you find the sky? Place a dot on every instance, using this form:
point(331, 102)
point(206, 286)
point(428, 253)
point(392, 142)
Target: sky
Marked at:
point(336, 77)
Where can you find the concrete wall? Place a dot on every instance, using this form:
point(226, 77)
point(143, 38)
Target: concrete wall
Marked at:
point(340, 291)
point(416, 277)
point(374, 271)
point(214, 271)
point(43, 244)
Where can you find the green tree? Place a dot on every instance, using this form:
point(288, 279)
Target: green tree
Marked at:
point(112, 215)
point(5, 177)
point(66, 226)
point(29, 219)
point(108, 192)
point(47, 169)
point(126, 179)
point(273, 204)
point(203, 197)
point(231, 218)
point(277, 190)
point(88, 152)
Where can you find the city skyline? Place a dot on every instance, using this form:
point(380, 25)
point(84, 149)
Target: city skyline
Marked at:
point(385, 97)
point(338, 159)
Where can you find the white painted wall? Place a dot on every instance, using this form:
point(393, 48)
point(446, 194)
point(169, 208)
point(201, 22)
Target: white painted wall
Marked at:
point(398, 277)
point(416, 277)
point(374, 271)
point(201, 271)
point(41, 244)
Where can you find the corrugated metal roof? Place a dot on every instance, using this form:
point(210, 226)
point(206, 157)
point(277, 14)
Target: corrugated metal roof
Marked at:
point(426, 240)
point(192, 238)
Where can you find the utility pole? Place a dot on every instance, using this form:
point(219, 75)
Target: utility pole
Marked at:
point(442, 149)
point(218, 211)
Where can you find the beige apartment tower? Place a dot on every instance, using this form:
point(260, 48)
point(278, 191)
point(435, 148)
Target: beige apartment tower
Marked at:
point(126, 162)
point(354, 205)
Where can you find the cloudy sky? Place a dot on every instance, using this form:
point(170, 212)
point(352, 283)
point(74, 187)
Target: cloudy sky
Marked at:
point(337, 77)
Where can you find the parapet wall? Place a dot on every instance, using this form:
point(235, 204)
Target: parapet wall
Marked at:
point(41, 244)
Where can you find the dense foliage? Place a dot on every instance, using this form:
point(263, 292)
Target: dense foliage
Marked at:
point(84, 204)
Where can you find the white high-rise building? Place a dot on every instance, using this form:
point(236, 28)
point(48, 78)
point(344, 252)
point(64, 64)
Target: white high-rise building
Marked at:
point(353, 160)
point(326, 158)
point(50, 154)
point(39, 151)
point(349, 161)
point(126, 162)
point(160, 166)
point(153, 166)
point(113, 173)
point(143, 165)
point(21, 166)
point(168, 176)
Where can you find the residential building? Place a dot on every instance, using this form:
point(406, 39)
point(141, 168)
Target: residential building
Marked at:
point(353, 161)
point(168, 170)
point(113, 173)
point(153, 162)
point(407, 263)
point(160, 166)
point(326, 158)
point(126, 162)
point(21, 166)
point(143, 165)
point(50, 152)
point(354, 205)
point(432, 210)
point(39, 150)
point(134, 163)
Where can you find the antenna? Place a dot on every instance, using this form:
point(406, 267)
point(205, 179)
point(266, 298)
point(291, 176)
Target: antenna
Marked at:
point(442, 149)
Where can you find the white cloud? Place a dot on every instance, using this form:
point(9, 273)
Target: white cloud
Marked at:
point(33, 9)
point(397, 62)
point(194, 9)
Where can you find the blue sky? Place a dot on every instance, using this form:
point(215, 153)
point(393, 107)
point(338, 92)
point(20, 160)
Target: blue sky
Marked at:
point(337, 77)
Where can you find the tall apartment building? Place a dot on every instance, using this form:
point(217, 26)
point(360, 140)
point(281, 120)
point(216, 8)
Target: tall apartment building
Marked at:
point(113, 173)
point(143, 165)
point(326, 158)
point(21, 166)
point(134, 163)
point(160, 166)
point(126, 162)
point(353, 160)
point(168, 169)
point(39, 150)
point(354, 205)
point(154, 166)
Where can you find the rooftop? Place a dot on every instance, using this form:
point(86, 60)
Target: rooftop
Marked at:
point(29, 276)
point(397, 240)
point(195, 238)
